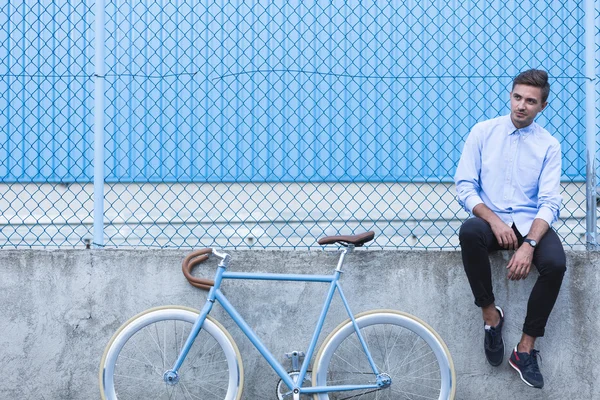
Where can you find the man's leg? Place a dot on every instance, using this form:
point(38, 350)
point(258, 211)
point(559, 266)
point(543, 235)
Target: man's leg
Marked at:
point(550, 261)
point(476, 242)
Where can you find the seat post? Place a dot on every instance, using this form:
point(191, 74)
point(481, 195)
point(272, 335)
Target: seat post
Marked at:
point(343, 253)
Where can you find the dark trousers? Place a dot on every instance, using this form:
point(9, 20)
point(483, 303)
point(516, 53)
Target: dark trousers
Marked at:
point(477, 241)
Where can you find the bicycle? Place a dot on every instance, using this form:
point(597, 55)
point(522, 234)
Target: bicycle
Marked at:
point(177, 352)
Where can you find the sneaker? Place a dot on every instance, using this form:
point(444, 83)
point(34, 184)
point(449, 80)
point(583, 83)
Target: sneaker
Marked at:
point(526, 364)
point(493, 343)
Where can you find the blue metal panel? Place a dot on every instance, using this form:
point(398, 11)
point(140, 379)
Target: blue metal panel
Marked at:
point(230, 91)
point(45, 85)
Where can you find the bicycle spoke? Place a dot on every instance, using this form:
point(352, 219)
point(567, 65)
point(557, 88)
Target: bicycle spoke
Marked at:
point(167, 387)
point(423, 346)
point(389, 353)
point(399, 346)
point(156, 343)
point(123, 357)
point(134, 342)
point(420, 396)
point(358, 396)
point(139, 381)
point(424, 366)
point(188, 392)
point(159, 336)
point(352, 365)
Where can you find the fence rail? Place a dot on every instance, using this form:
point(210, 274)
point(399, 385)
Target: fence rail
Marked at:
point(235, 123)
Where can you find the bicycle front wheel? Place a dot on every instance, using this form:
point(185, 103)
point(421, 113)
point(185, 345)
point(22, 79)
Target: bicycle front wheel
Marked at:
point(402, 346)
point(137, 356)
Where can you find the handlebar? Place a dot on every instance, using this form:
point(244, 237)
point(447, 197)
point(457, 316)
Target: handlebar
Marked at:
point(197, 257)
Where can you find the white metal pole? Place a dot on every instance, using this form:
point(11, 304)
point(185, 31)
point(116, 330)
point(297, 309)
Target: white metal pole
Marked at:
point(99, 128)
point(590, 126)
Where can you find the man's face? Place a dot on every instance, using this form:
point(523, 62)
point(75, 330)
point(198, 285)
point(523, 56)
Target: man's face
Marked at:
point(525, 104)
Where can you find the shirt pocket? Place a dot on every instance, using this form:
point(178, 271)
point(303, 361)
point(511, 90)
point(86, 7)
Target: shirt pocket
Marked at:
point(528, 176)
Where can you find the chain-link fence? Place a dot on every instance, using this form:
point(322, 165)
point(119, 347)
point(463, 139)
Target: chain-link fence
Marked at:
point(268, 124)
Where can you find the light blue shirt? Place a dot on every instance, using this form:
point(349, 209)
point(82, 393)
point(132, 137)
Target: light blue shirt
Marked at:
point(515, 172)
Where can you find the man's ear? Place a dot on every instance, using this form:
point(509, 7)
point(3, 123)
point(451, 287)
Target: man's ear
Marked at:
point(544, 105)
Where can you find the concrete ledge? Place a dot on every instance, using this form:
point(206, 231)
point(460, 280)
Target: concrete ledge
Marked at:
point(59, 309)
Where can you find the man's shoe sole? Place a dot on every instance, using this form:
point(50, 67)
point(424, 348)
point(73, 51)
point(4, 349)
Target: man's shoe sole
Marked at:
point(521, 375)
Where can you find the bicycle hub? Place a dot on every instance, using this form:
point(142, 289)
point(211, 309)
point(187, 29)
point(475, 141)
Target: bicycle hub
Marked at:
point(384, 380)
point(171, 377)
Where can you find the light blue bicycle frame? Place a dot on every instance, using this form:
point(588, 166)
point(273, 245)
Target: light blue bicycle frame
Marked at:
point(216, 294)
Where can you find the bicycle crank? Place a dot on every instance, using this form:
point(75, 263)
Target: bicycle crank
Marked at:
point(284, 393)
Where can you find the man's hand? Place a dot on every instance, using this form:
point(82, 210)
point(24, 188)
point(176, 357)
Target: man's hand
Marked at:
point(504, 235)
point(520, 263)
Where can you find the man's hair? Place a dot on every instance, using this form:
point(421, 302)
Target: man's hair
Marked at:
point(536, 78)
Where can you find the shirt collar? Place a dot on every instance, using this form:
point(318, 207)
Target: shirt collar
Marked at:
point(510, 127)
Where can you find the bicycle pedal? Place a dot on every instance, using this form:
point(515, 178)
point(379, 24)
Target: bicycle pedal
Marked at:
point(296, 357)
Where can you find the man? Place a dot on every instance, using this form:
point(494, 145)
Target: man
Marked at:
point(508, 178)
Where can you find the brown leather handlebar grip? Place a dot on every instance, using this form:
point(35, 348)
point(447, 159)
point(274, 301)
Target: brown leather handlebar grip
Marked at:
point(192, 260)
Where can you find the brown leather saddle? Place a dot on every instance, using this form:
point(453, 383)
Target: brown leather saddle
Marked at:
point(356, 240)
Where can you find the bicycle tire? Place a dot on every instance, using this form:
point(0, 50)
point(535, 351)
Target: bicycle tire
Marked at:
point(388, 333)
point(139, 353)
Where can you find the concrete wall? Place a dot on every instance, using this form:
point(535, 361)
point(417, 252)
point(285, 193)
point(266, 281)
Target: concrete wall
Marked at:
point(58, 310)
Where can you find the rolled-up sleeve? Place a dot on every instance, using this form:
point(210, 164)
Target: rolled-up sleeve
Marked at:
point(468, 171)
point(549, 198)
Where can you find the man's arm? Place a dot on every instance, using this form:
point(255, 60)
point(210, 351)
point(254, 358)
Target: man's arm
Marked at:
point(549, 198)
point(468, 187)
point(538, 230)
point(467, 173)
point(549, 201)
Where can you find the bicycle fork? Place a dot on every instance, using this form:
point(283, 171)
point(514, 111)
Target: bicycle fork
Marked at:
point(171, 376)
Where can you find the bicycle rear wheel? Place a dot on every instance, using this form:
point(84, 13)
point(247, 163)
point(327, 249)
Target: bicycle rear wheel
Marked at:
point(147, 345)
point(402, 346)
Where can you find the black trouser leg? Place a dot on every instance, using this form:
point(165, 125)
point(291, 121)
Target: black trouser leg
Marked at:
point(477, 241)
point(550, 261)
